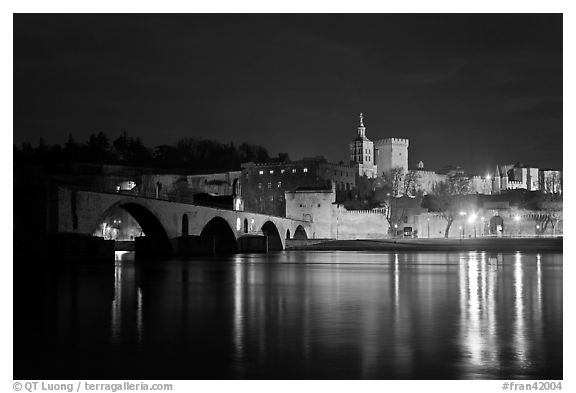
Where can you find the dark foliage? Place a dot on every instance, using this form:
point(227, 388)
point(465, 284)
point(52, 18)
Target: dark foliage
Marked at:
point(189, 153)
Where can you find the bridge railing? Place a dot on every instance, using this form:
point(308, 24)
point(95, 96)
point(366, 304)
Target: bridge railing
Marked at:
point(167, 198)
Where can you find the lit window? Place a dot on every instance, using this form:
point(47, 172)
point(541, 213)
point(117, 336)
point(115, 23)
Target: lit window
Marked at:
point(271, 172)
point(282, 170)
point(269, 185)
point(305, 170)
point(293, 170)
point(259, 185)
point(279, 184)
point(261, 172)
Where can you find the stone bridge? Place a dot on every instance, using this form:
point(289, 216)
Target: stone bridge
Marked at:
point(177, 228)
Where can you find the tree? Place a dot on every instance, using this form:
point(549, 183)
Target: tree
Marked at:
point(447, 199)
point(550, 214)
point(552, 183)
point(98, 148)
point(410, 182)
point(393, 180)
point(394, 193)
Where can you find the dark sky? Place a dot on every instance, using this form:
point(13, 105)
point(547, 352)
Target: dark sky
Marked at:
point(469, 90)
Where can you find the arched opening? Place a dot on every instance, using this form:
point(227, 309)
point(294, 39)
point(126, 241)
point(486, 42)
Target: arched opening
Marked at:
point(274, 240)
point(185, 225)
point(287, 233)
point(153, 240)
point(300, 233)
point(245, 225)
point(496, 225)
point(219, 237)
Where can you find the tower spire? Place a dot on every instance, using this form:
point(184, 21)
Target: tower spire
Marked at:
point(361, 128)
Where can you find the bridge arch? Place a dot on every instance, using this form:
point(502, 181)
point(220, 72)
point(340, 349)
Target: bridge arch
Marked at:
point(155, 241)
point(274, 240)
point(219, 236)
point(300, 233)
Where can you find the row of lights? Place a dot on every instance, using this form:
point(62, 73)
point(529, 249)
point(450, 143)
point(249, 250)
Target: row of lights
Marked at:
point(474, 216)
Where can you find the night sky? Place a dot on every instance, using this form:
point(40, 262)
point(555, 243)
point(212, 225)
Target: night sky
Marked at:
point(469, 90)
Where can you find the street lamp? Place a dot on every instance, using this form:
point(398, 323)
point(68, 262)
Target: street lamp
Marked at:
point(462, 214)
point(428, 219)
point(472, 219)
point(517, 220)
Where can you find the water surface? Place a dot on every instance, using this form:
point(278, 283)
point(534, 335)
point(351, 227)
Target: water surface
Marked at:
point(286, 315)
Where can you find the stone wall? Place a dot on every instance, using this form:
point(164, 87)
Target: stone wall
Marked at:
point(516, 222)
point(331, 221)
point(314, 206)
point(358, 224)
point(427, 180)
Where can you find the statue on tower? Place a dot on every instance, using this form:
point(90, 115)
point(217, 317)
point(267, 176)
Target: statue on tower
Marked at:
point(361, 120)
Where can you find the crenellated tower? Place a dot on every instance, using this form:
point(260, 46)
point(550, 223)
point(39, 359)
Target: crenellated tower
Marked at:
point(391, 153)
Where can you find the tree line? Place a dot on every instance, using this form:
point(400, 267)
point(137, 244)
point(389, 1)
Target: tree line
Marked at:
point(187, 153)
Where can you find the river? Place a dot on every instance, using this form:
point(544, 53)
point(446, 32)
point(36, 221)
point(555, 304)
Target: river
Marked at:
point(293, 315)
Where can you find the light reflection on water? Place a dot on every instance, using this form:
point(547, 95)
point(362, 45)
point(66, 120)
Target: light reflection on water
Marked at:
point(332, 315)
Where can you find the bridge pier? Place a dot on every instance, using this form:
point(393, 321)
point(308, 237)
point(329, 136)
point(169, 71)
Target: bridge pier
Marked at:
point(191, 245)
point(253, 243)
point(146, 247)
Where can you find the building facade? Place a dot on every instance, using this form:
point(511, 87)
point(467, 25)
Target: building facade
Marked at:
point(519, 176)
point(264, 184)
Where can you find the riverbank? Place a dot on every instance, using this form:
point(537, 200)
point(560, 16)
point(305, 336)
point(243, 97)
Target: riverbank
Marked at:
point(478, 244)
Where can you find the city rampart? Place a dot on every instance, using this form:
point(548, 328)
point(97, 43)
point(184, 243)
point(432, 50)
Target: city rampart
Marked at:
point(514, 222)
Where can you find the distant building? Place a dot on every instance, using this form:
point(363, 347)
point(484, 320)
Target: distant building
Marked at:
point(527, 176)
point(520, 176)
point(480, 185)
point(427, 180)
point(362, 153)
point(183, 188)
point(451, 170)
point(264, 184)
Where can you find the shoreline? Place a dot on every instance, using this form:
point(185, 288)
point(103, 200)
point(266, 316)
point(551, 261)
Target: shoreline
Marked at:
point(478, 244)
